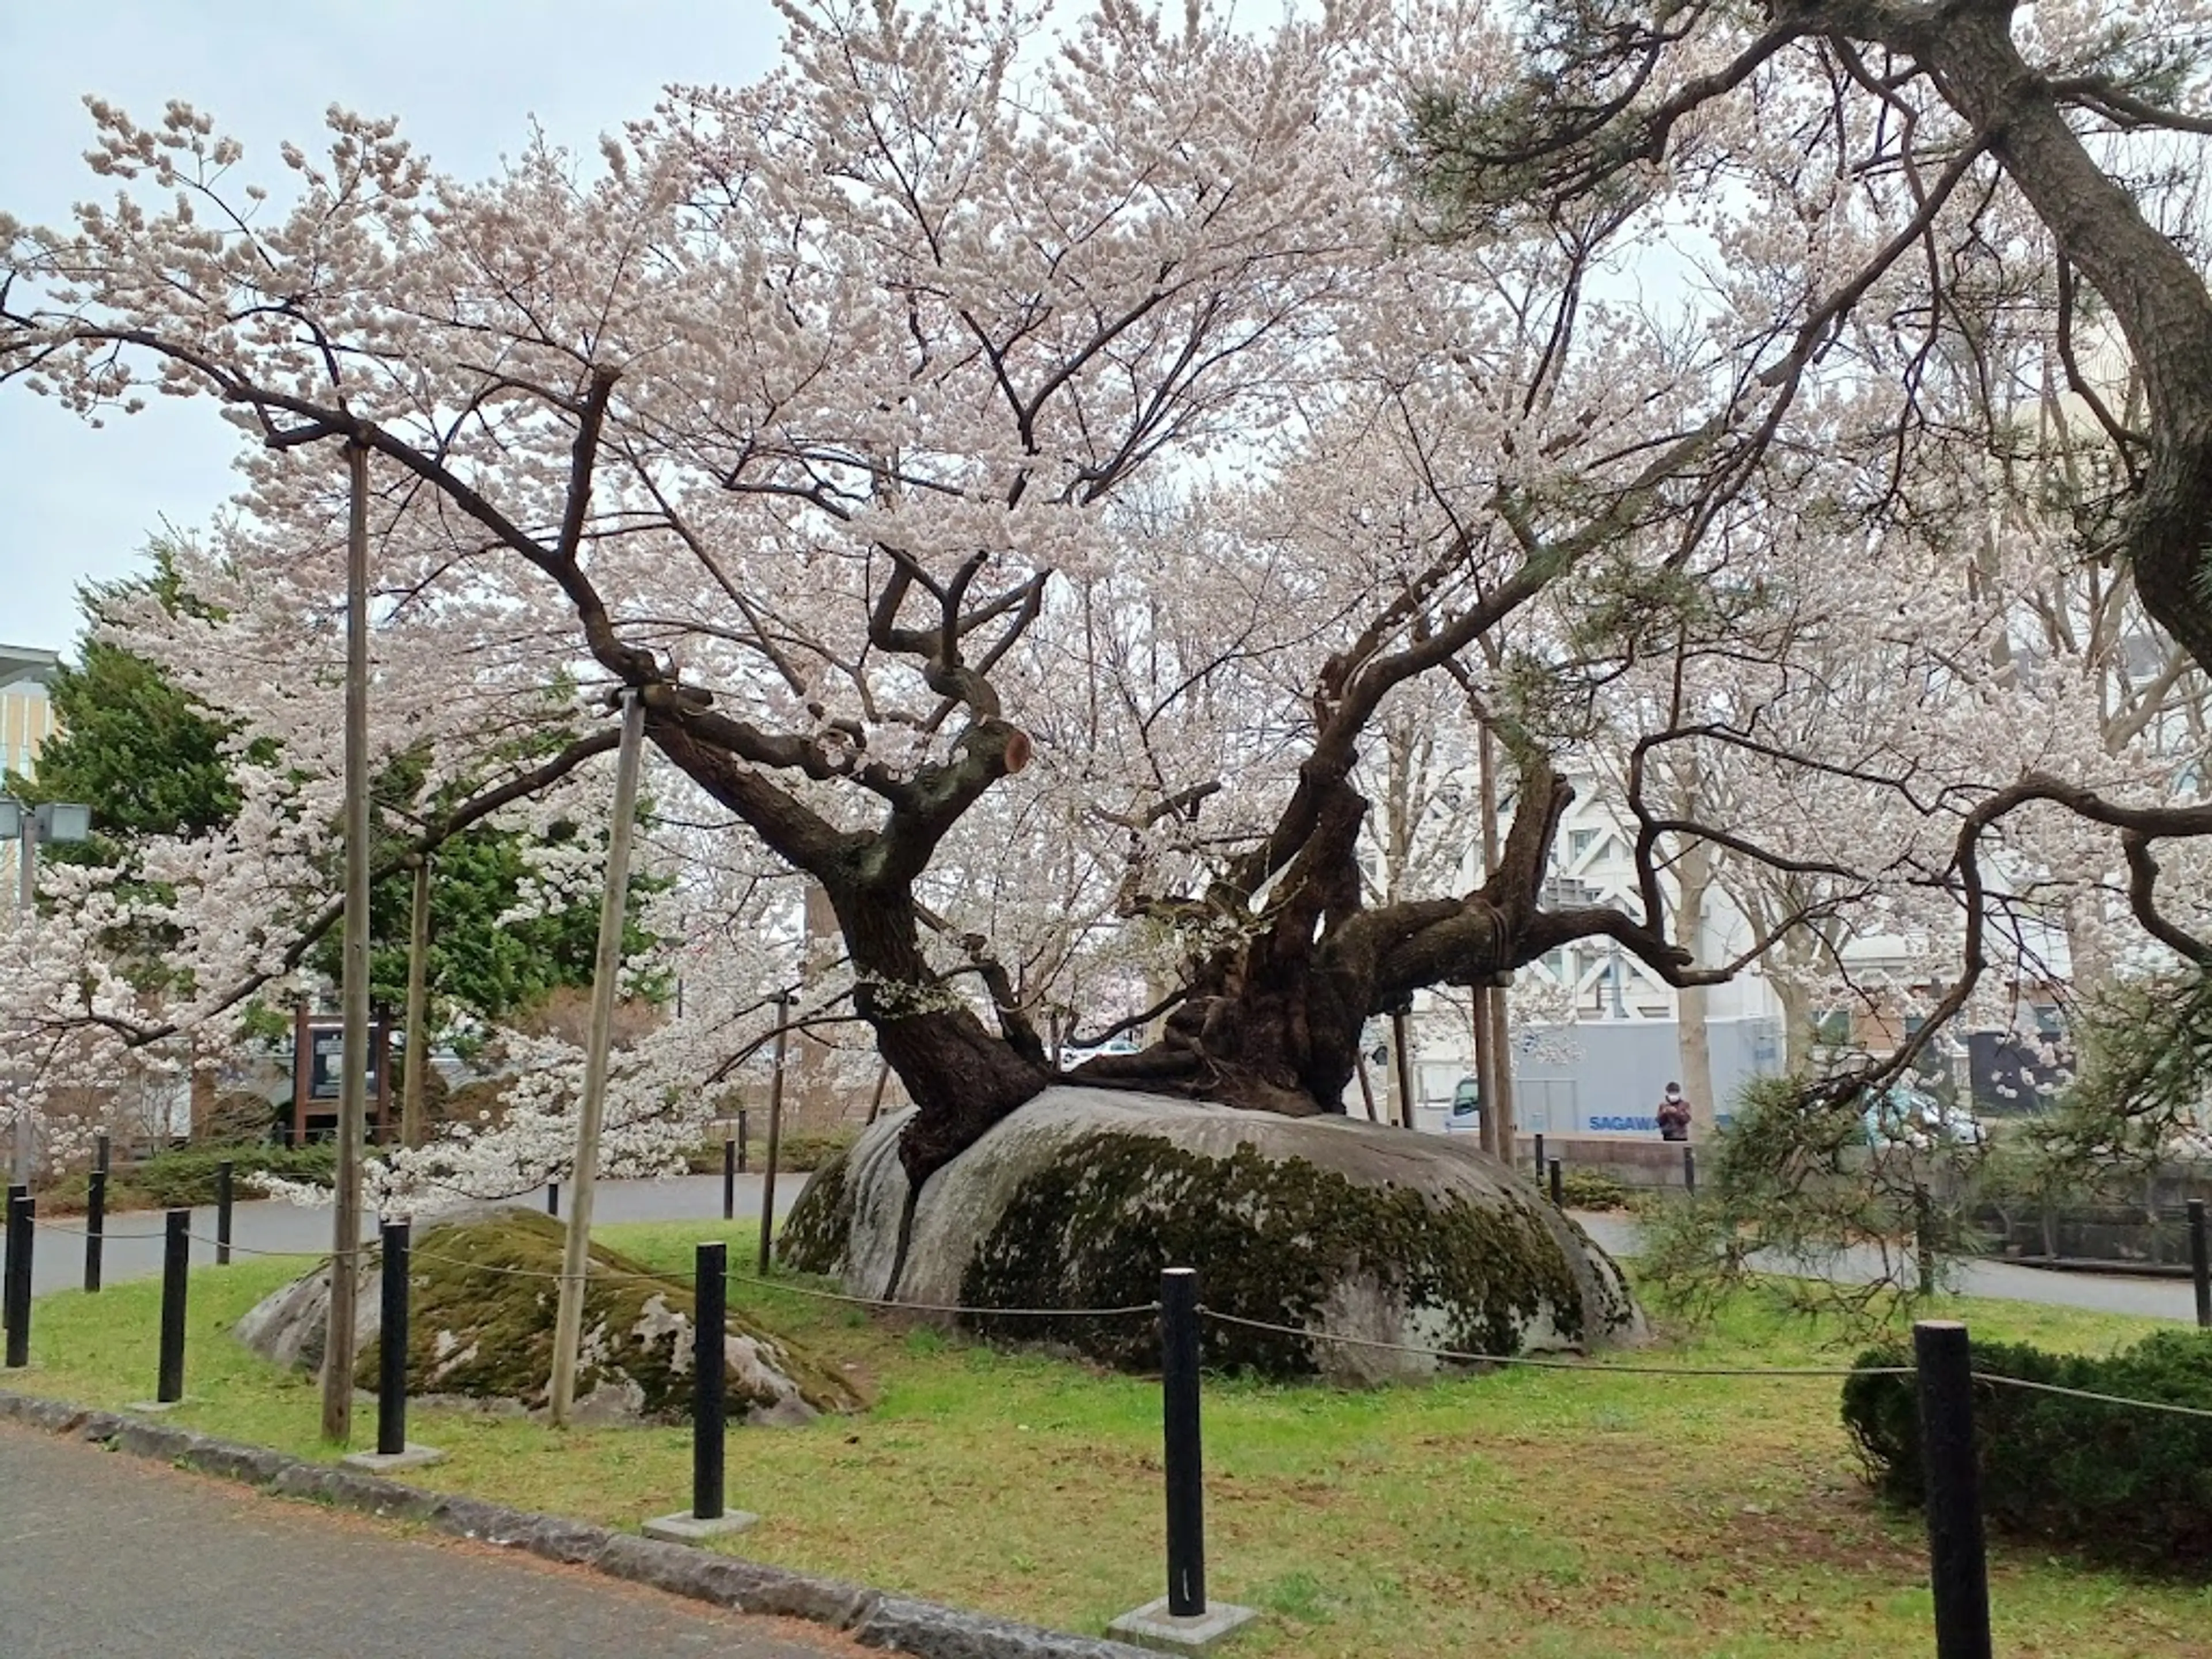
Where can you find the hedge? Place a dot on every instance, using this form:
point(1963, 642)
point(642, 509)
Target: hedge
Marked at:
point(2114, 1482)
point(1592, 1189)
point(795, 1153)
point(185, 1177)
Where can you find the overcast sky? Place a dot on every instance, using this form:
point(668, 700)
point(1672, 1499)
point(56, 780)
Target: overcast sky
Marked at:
point(465, 77)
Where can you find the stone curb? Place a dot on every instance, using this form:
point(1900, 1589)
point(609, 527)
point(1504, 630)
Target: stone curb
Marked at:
point(871, 1617)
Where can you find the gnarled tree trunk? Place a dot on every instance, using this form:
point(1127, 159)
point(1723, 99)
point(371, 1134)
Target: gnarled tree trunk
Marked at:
point(964, 1077)
point(1275, 1024)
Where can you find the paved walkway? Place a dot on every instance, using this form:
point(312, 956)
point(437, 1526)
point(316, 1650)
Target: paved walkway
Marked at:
point(104, 1557)
point(133, 1244)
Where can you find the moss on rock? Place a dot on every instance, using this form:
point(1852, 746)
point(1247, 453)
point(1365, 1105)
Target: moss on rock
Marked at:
point(482, 1293)
point(1275, 1239)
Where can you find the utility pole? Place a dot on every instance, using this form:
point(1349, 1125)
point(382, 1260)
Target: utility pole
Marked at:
point(1486, 1081)
point(1366, 1088)
point(352, 1069)
point(1409, 1115)
point(1491, 1061)
point(1501, 1067)
point(775, 1134)
point(417, 1052)
point(569, 1329)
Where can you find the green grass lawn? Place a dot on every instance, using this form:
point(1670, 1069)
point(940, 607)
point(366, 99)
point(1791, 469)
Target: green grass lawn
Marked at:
point(1557, 1515)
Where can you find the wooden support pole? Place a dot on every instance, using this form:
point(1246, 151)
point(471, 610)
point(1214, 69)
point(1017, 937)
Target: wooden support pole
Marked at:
point(569, 1327)
point(412, 1124)
point(339, 1345)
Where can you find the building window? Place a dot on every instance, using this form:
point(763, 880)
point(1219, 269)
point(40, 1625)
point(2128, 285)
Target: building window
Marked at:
point(1579, 842)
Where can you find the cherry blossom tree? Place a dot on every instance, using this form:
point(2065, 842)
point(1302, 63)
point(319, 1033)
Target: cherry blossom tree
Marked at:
point(1042, 481)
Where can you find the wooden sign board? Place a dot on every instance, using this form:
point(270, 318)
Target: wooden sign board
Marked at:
point(317, 1056)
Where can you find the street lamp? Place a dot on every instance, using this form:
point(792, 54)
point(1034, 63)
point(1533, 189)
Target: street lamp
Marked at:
point(50, 821)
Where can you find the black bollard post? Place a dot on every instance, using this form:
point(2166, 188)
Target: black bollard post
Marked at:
point(1689, 1168)
point(710, 1283)
point(391, 1345)
point(744, 1135)
point(96, 1225)
point(2200, 1266)
point(1540, 1165)
point(1559, 1199)
point(223, 1173)
point(99, 1149)
point(1958, 1565)
point(729, 1180)
point(176, 1258)
point(1179, 1355)
point(21, 1212)
point(552, 1198)
point(7, 1272)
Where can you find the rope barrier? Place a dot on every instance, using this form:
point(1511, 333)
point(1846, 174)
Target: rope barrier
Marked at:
point(416, 1253)
point(616, 1275)
point(86, 1232)
point(2087, 1394)
point(106, 1237)
point(1588, 1368)
point(248, 1249)
point(1536, 1362)
point(1129, 1311)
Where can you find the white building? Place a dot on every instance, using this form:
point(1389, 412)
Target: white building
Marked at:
point(1601, 1072)
point(26, 721)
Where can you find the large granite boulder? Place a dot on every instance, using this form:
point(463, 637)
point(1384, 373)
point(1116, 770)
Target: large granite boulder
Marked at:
point(483, 1289)
point(1320, 1225)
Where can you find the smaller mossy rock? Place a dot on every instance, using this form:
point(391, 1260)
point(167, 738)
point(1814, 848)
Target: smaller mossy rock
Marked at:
point(1323, 1226)
point(483, 1290)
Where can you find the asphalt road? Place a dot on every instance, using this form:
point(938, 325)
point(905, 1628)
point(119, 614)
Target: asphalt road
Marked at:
point(107, 1556)
point(132, 1246)
point(2155, 1298)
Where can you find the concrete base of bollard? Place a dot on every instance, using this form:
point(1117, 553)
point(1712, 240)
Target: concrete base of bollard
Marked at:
point(690, 1530)
point(415, 1457)
point(157, 1405)
point(1153, 1626)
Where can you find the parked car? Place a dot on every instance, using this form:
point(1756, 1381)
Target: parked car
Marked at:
point(1901, 1115)
point(1465, 1115)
